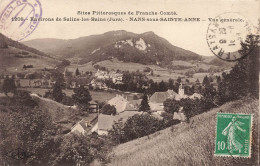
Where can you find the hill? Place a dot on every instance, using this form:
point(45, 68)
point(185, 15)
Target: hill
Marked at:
point(5, 41)
point(13, 55)
point(64, 116)
point(188, 144)
point(46, 45)
point(145, 48)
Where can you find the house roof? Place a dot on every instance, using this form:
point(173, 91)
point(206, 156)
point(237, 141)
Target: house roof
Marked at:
point(156, 106)
point(92, 102)
point(119, 102)
point(160, 97)
point(129, 107)
point(195, 95)
point(105, 122)
point(125, 115)
point(83, 125)
point(135, 102)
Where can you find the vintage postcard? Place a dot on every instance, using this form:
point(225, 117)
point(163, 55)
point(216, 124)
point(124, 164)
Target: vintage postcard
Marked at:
point(129, 83)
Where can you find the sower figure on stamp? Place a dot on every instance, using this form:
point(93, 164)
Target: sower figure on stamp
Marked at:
point(233, 136)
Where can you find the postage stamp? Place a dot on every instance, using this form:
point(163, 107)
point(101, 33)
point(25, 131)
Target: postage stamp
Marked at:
point(225, 34)
point(15, 19)
point(233, 135)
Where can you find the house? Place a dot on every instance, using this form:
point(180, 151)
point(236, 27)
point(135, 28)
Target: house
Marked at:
point(135, 103)
point(93, 106)
point(195, 95)
point(179, 115)
point(157, 99)
point(121, 104)
point(100, 74)
point(74, 84)
point(98, 84)
point(116, 77)
point(80, 128)
point(106, 122)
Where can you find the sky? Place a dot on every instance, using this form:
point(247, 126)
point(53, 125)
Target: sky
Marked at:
point(187, 35)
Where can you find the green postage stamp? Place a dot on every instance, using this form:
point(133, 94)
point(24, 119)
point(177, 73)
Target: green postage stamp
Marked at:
point(233, 135)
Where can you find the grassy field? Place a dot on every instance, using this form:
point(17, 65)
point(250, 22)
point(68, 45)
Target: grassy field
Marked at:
point(96, 95)
point(11, 61)
point(187, 144)
point(159, 73)
point(82, 68)
point(62, 115)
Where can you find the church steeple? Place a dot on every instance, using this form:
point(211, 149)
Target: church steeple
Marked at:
point(181, 90)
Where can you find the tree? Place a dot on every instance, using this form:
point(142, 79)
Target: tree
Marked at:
point(171, 84)
point(74, 150)
point(211, 79)
point(242, 80)
point(77, 72)
point(33, 131)
point(141, 125)
point(23, 97)
point(171, 105)
point(179, 79)
point(144, 106)
point(162, 86)
point(218, 79)
point(81, 97)
point(67, 73)
point(206, 82)
point(57, 92)
point(8, 85)
point(108, 109)
point(30, 129)
point(126, 77)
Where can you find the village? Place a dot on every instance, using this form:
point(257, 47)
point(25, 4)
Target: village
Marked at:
point(126, 103)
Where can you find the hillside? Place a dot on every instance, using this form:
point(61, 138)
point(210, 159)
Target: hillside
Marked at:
point(145, 48)
point(45, 45)
point(4, 41)
point(187, 144)
point(13, 55)
point(64, 116)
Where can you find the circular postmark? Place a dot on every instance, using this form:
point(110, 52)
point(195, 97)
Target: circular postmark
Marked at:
point(16, 19)
point(225, 35)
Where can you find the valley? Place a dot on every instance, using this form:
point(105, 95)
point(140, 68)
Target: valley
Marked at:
point(120, 98)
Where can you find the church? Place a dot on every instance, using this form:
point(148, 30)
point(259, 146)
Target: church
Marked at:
point(157, 99)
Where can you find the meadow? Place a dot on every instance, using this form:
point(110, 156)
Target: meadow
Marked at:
point(187, 143)
point(101, 96)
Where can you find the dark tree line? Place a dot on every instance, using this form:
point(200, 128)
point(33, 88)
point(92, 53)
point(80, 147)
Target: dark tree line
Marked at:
point(242, 81)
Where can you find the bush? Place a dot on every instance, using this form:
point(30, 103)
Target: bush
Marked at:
point(135, 127)
point(23, 97)
point(108, 109)
point(67, 100)
point(135, 97)
point(191, 107)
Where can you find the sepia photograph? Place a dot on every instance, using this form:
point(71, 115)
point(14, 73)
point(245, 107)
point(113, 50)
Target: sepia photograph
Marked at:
point(129, 83)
